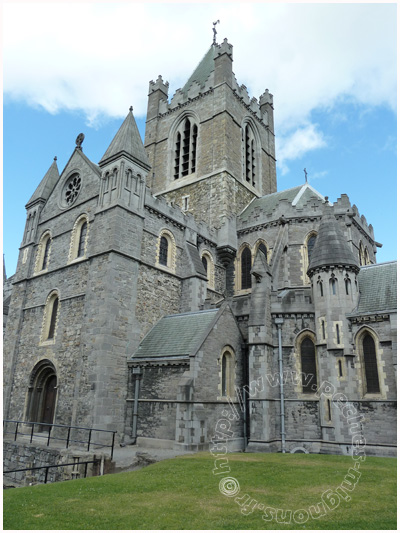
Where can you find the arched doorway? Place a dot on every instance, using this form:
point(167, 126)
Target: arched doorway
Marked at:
point(42, 394)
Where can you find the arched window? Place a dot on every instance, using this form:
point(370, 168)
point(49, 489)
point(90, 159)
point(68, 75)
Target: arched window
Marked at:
point(42, 394)
point(185, 149)
point(263, 249)
point(366, 256)
point(245, 268)
point(308, 365)
point(320, 285)
point(249, 155)
point(166, 251)
point(347, 285)
point(79, 239)
point(50, 317)
point(208, 264)
point(333, 285)
point(360, 254)
point(310, 246)
point(82, 240)
point(163, 257)
point(370, 364)
point(43, 253)
point(227, 372)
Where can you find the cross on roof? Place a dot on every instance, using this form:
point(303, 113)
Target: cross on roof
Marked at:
point(215, 32)
point(305, 173)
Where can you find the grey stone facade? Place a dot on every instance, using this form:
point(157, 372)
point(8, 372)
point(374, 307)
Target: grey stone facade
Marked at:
point(154, 239)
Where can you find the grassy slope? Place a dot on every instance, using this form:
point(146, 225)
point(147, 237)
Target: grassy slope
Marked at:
point(183, 494)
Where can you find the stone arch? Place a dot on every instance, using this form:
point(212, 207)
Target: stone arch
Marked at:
point(305, 362)
point(243, 267)
point(369, 365)
point(227, 362)
point(209, 266)
point(262, 245)
point(251, 150)
point(43, 253)
point(306, 250)
point(50, 318)
point(79, 238)
point(183, 142)
point(42, 393)
point(166, 251)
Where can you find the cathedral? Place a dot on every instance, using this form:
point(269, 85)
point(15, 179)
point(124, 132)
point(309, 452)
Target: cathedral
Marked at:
point(171, 293)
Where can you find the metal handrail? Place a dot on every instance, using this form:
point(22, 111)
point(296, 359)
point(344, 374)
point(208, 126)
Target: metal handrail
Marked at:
point(68, 440)
point(52, 466)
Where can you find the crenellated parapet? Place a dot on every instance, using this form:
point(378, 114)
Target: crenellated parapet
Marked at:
point(159, 85)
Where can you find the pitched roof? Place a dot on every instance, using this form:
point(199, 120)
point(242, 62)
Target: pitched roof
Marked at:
point(297, 196)
point(378, 288)
point(176, 335)
point(202, 71)
point(331, 246)
point(47, 184)
point(128, 142)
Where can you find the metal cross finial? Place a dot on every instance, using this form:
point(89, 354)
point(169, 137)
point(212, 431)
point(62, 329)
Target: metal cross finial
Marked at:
point(131, 109)
point(215, 32)
point(305, 173)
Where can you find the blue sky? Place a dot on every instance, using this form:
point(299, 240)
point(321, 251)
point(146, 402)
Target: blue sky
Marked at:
point(330, 67)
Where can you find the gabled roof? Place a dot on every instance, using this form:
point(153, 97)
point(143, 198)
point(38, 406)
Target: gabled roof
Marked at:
point(331, 246)
point(128, 142)
point(378, 288)
point(47, 184)
point(202, 71)
point(176, 335)
point(297, 196)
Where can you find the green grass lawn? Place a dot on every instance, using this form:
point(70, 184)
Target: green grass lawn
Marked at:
point(183, 493)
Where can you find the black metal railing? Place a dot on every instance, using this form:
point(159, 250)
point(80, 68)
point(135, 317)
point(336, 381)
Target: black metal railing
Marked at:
point(48, 436)
point(47, 467)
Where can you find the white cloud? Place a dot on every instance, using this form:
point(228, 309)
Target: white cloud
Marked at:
point(98, 58)
point(296, 144)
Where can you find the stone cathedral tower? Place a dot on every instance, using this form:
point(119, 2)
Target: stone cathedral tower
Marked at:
point(212, 149)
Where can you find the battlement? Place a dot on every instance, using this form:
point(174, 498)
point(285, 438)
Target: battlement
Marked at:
point(223, 48)
point(159, 85)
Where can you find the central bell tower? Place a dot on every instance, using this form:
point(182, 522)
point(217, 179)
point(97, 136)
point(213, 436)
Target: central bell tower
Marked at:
point(211, 148)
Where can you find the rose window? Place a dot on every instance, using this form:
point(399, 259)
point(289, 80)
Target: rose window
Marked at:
point(72, 189)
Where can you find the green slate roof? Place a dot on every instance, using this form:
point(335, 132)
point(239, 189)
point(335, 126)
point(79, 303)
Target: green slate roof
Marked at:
point(297, 196)
point(127, 141)
point(378, 288)
point(46, 186)
point(202, 71)
point(331, 246)
point(176, 335)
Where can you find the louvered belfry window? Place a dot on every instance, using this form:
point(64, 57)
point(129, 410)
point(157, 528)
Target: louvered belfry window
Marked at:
point(370, 365)
point(246, 268)
point(185, 149)
point(250, 155)
point(308, 365)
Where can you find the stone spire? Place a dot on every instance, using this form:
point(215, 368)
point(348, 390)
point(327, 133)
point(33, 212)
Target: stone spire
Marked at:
point(127, 142)
point(331, 247)
point(46, 186)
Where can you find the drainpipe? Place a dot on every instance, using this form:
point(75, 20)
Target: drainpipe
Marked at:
point(136, 372)
point(279, 322)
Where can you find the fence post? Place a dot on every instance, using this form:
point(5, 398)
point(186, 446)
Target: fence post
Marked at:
point(112, 445)
point(16, 431)
point(48, 439)
point(69, 431)
point(45, 477)
point(33, 427)
point(90, 436)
